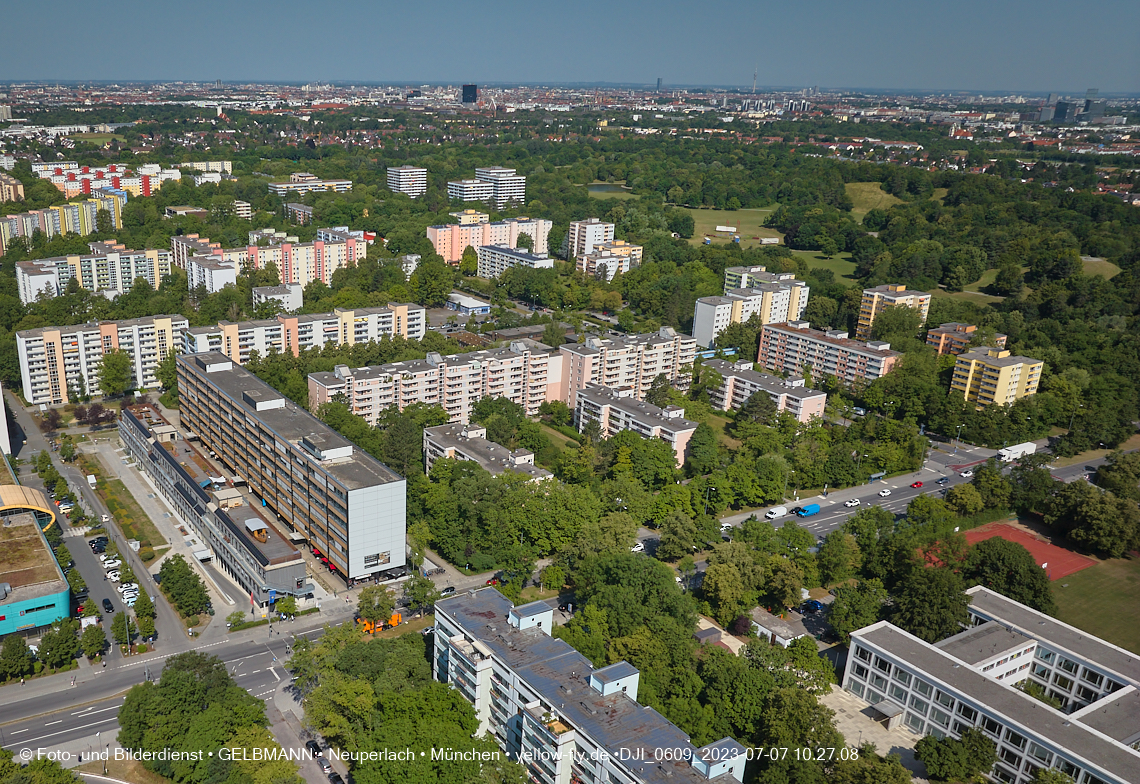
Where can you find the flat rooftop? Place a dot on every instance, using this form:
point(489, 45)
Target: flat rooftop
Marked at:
point(1055, 634)
point(26, 560)
point(1094, 748)
point(638, 409)
point(632, 733)
point(818, 335)
point(492, 457)
point(772, 384)
point(1117, 716)
point(982, 643)
point(292, 423)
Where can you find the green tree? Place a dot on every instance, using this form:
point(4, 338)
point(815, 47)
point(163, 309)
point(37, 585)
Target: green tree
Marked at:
point(120, 630)
point(957, 759)
point(828, 247)
point(375, 604)
point(432, 283)
point(932, 604)
point(525, 241)
point(870, 768)
point(469, 263)
point(723, 590)
point(704, 451)
point(785, 582)
point(60, 645)
point(553, 334)
point(839, 557)
point(166, 371)
point(1009, 281)
point(286, 605)
point(856, 606)
point(15, 657)
point(1050, 776)
point(1008, 568)
point(659, 391)
point(896, 325)
point(421, 593)
point(115, 374)
point(964, 500)
point(587, 632)
point(93, 641)
point(678, 536)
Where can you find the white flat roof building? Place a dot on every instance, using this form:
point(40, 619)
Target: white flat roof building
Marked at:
point(494, 260)
point(411, 180)
point(772, 297)
point(742, 382)
point(290, 295)
point(617, 409)
point(583, 235)
point(469, 442)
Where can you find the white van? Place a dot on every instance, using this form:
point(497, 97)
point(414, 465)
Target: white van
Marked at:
point(773, 513)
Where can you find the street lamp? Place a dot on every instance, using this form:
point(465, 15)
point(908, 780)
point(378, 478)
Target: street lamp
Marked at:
point(1074, 416)
point(958, 438)
point(707, 488)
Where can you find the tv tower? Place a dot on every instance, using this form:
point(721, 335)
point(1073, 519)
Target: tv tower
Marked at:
point(755, 70)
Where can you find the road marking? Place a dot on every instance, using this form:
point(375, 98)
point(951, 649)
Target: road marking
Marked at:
point(16, 732)
point(275, 675)
point(255, 672)
point(58, 721)
point(60, 732)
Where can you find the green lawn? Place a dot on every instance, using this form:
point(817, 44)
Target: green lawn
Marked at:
point(841, 264)
point(718, 423)
point(748, 223)
point(866, 196)
point(1095, 598)
point(1095, 266)
point(97, 138)
point(972, 296)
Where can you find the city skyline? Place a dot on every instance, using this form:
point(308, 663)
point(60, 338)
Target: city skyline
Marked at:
point(884, 47)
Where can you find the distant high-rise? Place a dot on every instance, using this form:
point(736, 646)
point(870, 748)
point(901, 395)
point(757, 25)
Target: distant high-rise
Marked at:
point(470, 93)
point(658, 84)
point(1066, 111)
point(1051, 100)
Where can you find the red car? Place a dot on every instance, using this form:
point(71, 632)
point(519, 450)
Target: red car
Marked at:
point(492, 581)
point(917, 484)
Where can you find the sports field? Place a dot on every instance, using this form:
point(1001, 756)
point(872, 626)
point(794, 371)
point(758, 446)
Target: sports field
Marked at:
point(1095, 266)
point(1057, 561)
point(749, 224)
point(97, 138)
point(841, 263)
point(1101, 601)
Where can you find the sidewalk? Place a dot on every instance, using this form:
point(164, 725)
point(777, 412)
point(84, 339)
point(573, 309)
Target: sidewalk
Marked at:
point(853, 719)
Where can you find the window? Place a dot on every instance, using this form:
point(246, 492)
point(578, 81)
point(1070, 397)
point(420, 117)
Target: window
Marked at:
point(1063, 682)
point(1001, 774)
point(922, 687)
point(944, 699)
point(940, 717)
point(860, 671)
point(1091, 779)
point(914, 722)
point(902, 676)
point(1067, 665)
point(882, 664)
point(1012, 757)
point(1086, 694)
point(1041, 671)
point(1068, 768)
point(898, 693)
point(959, 727)
point(857, 689)
point(1095, 678)
point(1040, 753)
point(874, 697)
point(1014, 739)
point(919, 705)
point(879, 682)
point(968, 713)
point(936, 733)
point(1045, 656)
point(991, 726)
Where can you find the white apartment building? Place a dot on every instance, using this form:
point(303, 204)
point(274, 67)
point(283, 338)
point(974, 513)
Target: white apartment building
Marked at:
point(969, 681)
point(205, 178)
point(225, 167)
point(54, 361)
point(617, 409)
point(243, 209)
point(471, 190)
point(603, 265)
point(527, 373)
point(494, 260)
point(290, 295)
point(7, 162)
point(742, 382)
point(469, 442)
point(411, 180)
point(791, 347)
point(773, 297)
point(584, 235)
point(629, 361)
point(296, 333)
point(302, 183)
point(549, 709)
point(210, 273)
point(109, 269)
point(507, 187)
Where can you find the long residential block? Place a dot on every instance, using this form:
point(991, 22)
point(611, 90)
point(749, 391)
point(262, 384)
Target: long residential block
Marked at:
point(56, 362)
point(792, 347)
point(295, 333)
point(547, 707)
point(494, 260)
point(617, 409)
point(11, 189)
point(630, 361)
point(741, 382)
point(75, 218)
point(450, 240)
point(527, 373)
point(110, 269)
point(303, 182)
point(322, 488)
point(954, 337)
point(971, 680)
point(247, 546)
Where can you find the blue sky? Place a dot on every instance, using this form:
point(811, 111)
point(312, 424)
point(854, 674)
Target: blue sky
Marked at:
point(1015, 45)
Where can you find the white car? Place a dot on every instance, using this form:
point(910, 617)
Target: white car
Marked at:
point(852, 502)
point(128, 587)
point(726, 526)
point(106, 518)
point(110, 565)
point(884, 493)
point(966, 474)
point(113, 576)
point(129, 601)
point(637, 548)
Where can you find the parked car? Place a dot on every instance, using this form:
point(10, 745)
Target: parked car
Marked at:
point(493, 581)
point(916, 484)
point(852, 502)
point(448, 591)
point(125, 587)
point(884, 493)
point(326, 766)
point(107, 606)
point(113, 576)
point(334, 778)
point(638, 547)
point(129, 601)
point(812, 606)
point(115, 564)
point(314, 748)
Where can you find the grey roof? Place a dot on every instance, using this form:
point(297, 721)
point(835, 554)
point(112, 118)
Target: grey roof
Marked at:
point(771, 384)
point(615, 672)
point(493, 457)
point(533, 608)
point(631, 733)
point(856, 346)
point(1057, 635)
point(1117, 716)
point(647, 413)
point(983, 643)
point(93, 326)
point(789, 630)
point(1006, 702)
point(982, 355)
point(293, 423)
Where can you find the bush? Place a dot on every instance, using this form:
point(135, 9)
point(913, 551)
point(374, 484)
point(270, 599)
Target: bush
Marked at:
point(142, 648)
point(191, 620)
point(146, 555)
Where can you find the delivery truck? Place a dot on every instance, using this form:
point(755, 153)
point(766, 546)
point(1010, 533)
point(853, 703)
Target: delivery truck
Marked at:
point(1011, 453)
point(808, 510)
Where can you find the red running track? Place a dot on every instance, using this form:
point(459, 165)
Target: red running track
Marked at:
point(1061, 562)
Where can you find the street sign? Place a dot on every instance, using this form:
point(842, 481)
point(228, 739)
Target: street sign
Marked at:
point(272, 595)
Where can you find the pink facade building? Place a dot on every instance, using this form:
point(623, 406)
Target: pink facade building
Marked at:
point(474, 230)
